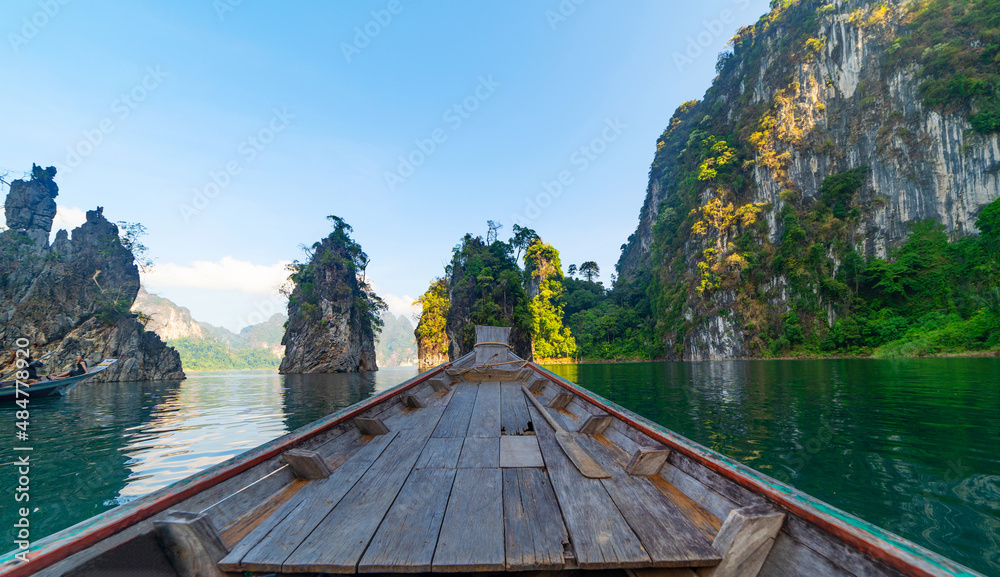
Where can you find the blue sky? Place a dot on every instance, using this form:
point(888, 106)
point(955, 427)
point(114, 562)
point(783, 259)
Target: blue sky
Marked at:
point(230, 128)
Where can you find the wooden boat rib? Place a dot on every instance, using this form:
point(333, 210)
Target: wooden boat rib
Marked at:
point(486, 464)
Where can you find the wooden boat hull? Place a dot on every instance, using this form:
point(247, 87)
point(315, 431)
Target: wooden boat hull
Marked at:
point(240, 494)
point(53, 388)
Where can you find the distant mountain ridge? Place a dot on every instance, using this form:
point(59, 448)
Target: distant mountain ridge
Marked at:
point(204, 346)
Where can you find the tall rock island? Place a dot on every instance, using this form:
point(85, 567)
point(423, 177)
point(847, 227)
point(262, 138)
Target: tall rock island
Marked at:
point(333, 314)
point(73, 296)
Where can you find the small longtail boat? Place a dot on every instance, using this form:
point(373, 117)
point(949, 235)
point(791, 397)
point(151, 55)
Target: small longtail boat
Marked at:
point(486, 464)
point(9, 390)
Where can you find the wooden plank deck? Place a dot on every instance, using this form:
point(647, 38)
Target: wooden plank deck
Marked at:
point(437, 494)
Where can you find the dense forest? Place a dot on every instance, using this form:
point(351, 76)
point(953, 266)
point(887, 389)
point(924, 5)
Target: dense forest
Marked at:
point(520, 283)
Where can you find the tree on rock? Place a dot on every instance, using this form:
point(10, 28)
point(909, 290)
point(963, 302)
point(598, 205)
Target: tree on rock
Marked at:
point(432, 340)
point(543, 273)
point(333, 313)
point(590, 270)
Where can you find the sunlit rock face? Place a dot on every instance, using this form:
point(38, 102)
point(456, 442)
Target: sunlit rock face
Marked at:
point(841, 106)
point(74, 296)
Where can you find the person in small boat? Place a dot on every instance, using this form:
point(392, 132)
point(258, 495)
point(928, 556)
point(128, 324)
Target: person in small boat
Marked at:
point(32, 369)
point(80, 369)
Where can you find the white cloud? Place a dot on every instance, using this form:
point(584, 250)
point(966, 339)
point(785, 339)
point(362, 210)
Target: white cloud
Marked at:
point(227, 273)
point(400, 305)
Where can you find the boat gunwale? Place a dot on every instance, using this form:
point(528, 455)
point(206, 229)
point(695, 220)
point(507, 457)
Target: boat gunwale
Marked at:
point(89, 532)
point(893, 550)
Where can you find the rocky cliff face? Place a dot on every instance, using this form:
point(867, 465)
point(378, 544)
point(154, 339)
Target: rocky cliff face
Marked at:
point(166, 319)
point(74, 296)
point(810, 91)
point(329, 314)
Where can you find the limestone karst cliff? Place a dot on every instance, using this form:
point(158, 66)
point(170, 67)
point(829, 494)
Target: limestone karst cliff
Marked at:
point(832, 129)
point(332, 312)
point(74, 295)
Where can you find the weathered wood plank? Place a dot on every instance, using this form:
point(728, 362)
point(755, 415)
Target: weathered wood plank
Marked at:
point(745, 540)
point(835, 550)
point(715, 503)
point(341, 537)
point(307, 465)
point(706, 522)
point(670, 539)
point(406, 539)
point(520, 451)
point(602, 539)
point(480, 452)
point(580, 458)
point(789, 558)
point(440, 453)
point(514, 417)
point(235, 532)
point(716, 482)
point(647, 461)
point(534, 532)
point(472, 537)
point(455, 421)
point(281, 526)
point(486, 412)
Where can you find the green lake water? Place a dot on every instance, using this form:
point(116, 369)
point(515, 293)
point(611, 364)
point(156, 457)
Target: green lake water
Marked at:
point(912, 445)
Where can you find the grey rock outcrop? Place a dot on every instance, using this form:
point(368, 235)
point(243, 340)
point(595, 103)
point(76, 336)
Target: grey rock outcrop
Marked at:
point(73, 297)
point(328, 330)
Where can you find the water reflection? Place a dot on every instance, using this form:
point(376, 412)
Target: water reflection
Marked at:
point(908, 444)
point(108, 443)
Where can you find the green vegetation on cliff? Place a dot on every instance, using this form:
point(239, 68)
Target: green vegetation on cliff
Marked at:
point(957, 45)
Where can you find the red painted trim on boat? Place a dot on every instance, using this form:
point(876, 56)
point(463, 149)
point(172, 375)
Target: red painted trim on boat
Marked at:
point(51, 554)
point(872, 545)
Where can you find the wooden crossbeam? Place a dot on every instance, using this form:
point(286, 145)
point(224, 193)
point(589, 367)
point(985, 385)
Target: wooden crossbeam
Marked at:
point(647, 461)
point(191, 543)
point(308, 465)
point(560, 401)
point(537, 384)
point(595, 424)
point(371, 426)
point(441, 384)
point(412, 401)
point(745, 540)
